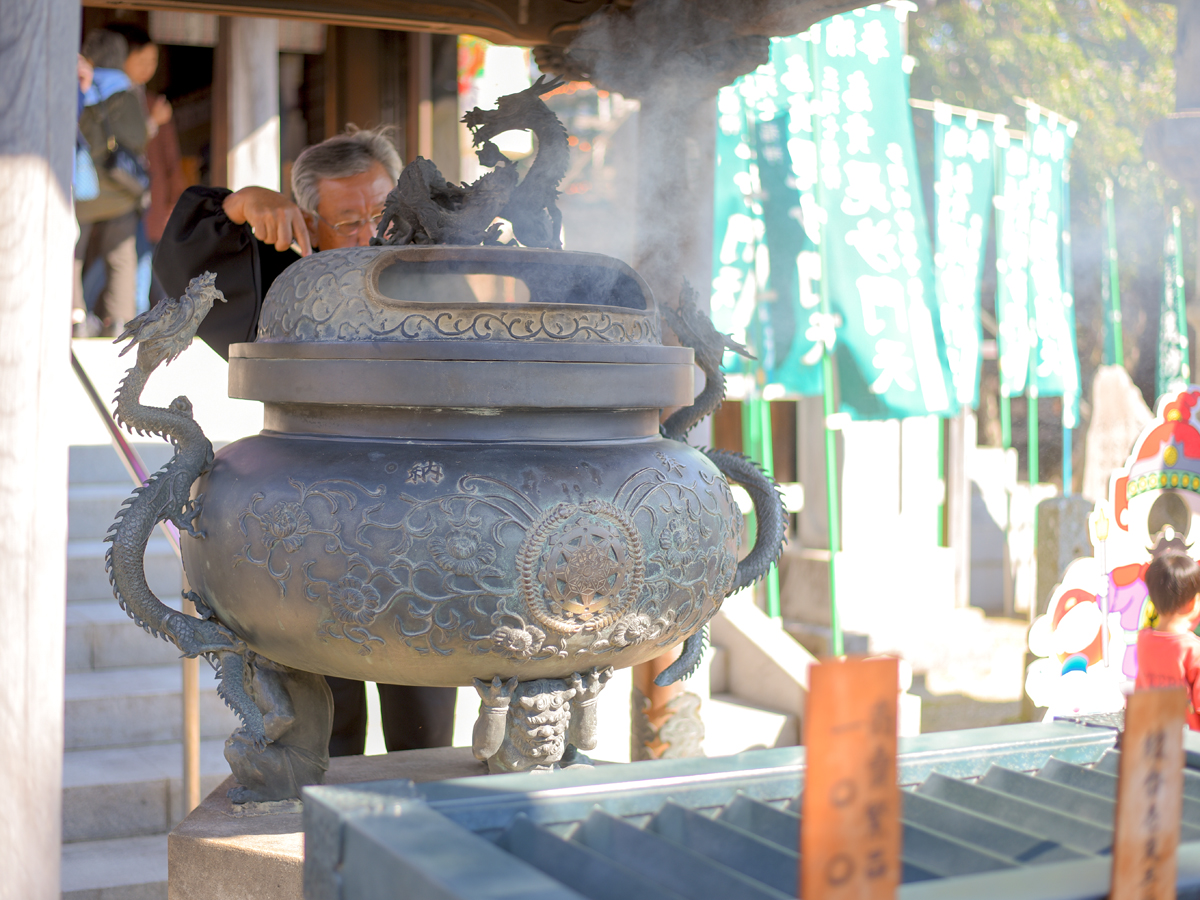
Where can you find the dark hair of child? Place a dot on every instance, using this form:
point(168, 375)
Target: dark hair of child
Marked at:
point(1173, 580)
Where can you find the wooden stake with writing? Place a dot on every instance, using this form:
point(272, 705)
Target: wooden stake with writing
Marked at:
point(850, 827)
point(1149, 796)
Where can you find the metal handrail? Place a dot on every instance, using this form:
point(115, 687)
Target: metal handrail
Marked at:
point(139, 475)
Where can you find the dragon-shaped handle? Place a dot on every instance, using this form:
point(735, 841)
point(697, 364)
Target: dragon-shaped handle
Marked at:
point(160, 335)
point(695, 330)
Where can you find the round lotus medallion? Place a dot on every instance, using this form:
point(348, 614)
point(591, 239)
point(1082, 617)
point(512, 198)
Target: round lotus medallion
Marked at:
point(581, 566)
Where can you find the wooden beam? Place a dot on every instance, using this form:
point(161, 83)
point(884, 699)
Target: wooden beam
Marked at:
point(520, 22)
point(38, 43)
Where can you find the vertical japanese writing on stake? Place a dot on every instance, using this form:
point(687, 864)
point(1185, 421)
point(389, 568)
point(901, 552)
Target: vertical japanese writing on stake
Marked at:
point(850, 831)
point(1149, 796)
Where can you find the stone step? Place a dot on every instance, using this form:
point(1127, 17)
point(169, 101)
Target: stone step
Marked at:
point(87, 580)
point(91, 508)
point(100, 635)
point(732, 726)
point(124, 869)
point(99, 463)
point(131, 791)
point(138, 705)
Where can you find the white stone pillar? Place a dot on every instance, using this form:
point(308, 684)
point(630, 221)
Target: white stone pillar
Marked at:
point(38, 41)
point(253, 103)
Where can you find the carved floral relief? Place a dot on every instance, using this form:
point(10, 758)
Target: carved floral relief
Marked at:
point(472, 564)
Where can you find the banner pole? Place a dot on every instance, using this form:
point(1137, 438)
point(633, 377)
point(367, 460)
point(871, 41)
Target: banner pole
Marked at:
point(831, 495)
point(1181, 298)
point(1005, 400)
point(1067, 264)
point(836, 647)
point(1114, 281)
point(768, 464)
point(1068, 472)
point(1032, 414)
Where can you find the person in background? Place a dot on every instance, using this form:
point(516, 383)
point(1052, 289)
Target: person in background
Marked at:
point(1169, 653)
point(162, 155)
point(112, 116)
point(340, 187)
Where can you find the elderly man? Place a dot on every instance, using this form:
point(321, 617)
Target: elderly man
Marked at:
point(340, 186)
point(244, 236)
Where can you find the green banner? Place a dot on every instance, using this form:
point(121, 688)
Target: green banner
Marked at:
point(891, 357)
point(964, 172)
point(766, 268)
point(816, 172)
point(1053, 307)
point(1034, 302)
point(1013, 205)
point(1173, 368)
point(796, 329)
point(738, 233)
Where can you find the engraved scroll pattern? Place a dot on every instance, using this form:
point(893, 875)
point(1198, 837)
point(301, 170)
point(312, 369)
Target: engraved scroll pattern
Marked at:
point(325, 299)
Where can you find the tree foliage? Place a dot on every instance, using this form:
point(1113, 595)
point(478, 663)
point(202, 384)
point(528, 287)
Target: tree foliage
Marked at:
point(1107, 64)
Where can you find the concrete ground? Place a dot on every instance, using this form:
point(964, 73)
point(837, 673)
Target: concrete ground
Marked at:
point(974, 677)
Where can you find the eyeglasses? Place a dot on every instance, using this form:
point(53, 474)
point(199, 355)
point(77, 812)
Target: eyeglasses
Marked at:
point(350, 229)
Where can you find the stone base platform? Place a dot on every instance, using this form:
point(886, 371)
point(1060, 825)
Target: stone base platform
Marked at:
point(257, 852)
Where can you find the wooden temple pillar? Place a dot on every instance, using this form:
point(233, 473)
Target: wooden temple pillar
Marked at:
point(38, 44)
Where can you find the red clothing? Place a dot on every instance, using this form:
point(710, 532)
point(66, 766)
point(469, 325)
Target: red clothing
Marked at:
point(1166, 658)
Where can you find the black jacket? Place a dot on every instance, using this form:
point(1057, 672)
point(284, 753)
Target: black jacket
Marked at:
point(199, 238)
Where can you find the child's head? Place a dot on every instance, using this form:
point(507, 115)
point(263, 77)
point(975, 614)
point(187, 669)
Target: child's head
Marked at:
point(1174, 581)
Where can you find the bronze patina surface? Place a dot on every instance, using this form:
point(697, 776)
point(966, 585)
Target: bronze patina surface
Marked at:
point(461, 481)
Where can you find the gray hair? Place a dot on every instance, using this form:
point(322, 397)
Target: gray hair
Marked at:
point(105, 49)
point(341, 156)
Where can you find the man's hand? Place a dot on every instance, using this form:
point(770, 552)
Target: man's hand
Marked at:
point(273, 217)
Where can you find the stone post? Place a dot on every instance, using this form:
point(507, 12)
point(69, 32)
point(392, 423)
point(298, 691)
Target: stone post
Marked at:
point(38, 41)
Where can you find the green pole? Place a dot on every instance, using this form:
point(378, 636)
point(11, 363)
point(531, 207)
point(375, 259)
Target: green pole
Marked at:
point(751, 424)
point(1068, 280)
point(1005, 402)
point(1068, 472)
point(941, 458)
point(831, 495)
point(836, 647)
point(1180, 298)
point(1033, 434)
point(768, 464)
point(1114, 281)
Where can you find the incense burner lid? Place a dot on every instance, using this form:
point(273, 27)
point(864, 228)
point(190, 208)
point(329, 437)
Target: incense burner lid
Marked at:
point(467, 294)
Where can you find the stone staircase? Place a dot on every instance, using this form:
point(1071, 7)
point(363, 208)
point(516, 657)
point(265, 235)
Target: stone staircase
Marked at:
point(123, 765)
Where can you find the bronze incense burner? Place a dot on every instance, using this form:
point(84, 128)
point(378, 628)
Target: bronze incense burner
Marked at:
point(462, 479)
